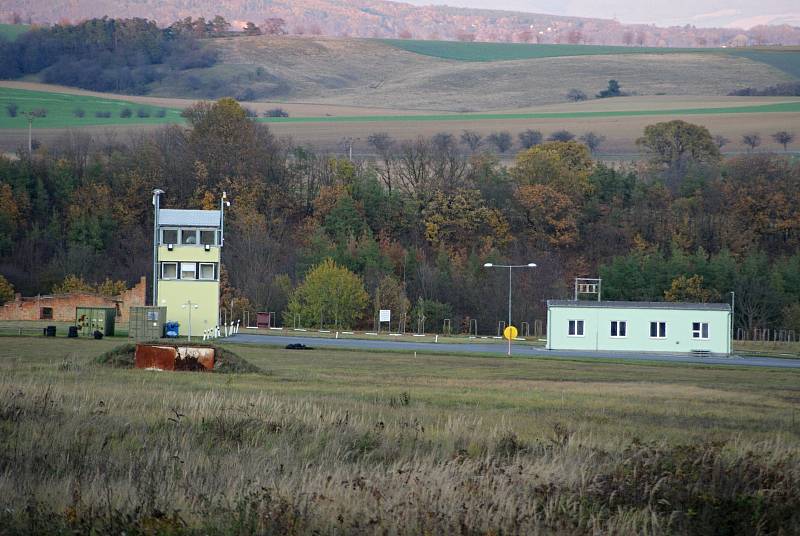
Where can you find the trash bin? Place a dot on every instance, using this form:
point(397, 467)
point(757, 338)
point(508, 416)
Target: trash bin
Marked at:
point(171, 329)
point(50, 331)
point(73, 332)
point(97, 334)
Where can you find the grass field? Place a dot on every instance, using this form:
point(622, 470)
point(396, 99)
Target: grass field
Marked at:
point(12, 31)
point(354, 442)
point(61, 110)
point(786, 59)
point(465, 51)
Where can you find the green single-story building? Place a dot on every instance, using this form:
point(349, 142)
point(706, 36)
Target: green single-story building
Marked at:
point(639, 326)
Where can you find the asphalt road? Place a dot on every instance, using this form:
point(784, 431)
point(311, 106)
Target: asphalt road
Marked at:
point(499, 348)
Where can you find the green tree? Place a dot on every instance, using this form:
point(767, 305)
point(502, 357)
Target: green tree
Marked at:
point(675, 147)
point(6, 290)
point(330, 295)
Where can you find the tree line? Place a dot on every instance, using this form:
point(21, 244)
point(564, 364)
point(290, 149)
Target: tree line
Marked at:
point(411, 230)
point(117, 55)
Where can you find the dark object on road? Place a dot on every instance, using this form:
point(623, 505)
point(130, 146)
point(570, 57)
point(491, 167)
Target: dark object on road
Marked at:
point(49, 331)
point(72, 333)
point(298, 346)
point(97, 334)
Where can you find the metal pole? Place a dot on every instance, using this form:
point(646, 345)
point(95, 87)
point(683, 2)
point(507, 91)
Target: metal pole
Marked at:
point(509, 308)
point(733, 318)
point(157, 204)
point(30, 136)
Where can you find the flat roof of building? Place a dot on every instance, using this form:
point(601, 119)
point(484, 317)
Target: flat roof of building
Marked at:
point(169, 217)
point(640, 305)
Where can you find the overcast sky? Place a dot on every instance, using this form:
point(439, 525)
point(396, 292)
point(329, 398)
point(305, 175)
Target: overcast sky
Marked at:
point(731, 13)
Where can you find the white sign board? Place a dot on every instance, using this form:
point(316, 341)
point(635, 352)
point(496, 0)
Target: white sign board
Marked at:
point(385, 315)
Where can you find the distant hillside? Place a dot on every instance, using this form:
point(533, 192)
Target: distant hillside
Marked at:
point(370, 72)
point(379, 18)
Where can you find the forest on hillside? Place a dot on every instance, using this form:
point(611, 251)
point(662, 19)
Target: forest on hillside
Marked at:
point(416, 225)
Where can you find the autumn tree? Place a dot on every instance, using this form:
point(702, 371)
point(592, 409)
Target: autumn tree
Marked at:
point(462, 222)
point(689, 289)
point(6, 290)
point(784, 138)
point(73, 284)
point(330, 295)
point(391, 295)
point(674, 147)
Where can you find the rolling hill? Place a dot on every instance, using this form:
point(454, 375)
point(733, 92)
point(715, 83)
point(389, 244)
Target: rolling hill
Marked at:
point(381, 74)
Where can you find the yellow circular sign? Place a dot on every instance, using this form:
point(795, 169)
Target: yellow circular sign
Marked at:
point(510, 332)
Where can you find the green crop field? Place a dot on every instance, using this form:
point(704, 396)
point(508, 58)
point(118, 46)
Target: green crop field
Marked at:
point(61, 110)
point(462, 51)
point(12, 31)
point(786, 59)
point(327, 441)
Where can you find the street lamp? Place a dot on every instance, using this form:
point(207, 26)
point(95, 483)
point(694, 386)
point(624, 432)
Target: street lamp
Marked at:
point(157, 193)
point(190, 306)
point(510, 269)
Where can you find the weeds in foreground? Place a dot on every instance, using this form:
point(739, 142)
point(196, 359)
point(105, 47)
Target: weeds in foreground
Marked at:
point(215, 463)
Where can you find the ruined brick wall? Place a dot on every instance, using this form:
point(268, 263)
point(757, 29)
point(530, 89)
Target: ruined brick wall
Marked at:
point(63, 305)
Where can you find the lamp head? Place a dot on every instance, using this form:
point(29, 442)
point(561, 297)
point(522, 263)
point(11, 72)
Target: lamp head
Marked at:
point(488, 265)
point(532, 264)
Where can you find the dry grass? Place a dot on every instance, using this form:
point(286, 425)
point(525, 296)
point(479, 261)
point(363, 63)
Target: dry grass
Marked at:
point(362, 72)
point(353, 442)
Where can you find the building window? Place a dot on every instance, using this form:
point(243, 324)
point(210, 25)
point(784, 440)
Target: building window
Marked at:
point(169, 236)
point(700, 330)
point(575, 328)
point(188, 270)
point(188, 236)
point(658, 330)
point(208, 238)
point(619, 328)
point(207, 270)
point(46, 313)
point(169, 270)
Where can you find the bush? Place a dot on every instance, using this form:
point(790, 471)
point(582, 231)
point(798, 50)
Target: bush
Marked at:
point(249, 112)
point(12, 108)
point(613, 90)
point(276, 112)
point(161, 113)
point(142, 112)
point(102, 115)
point(576, 95)
point(529, 138)
point(126, 112)
point(79, 112)
point(561, 135)
point(501, 140)
point(788, 89)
